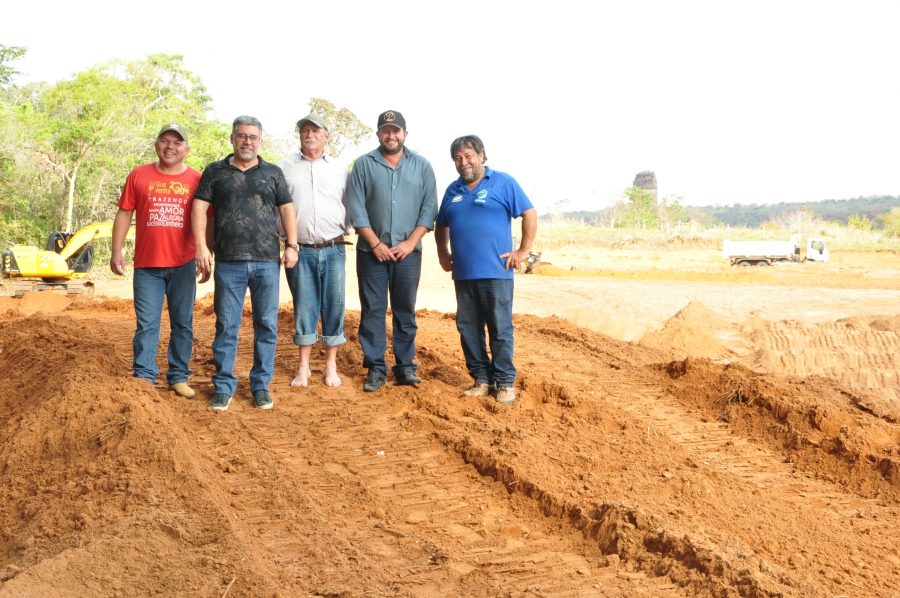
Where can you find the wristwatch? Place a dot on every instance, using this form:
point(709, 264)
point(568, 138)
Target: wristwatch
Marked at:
point(293, 246)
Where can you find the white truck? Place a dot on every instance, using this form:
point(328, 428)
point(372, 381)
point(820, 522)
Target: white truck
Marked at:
point(757, 253)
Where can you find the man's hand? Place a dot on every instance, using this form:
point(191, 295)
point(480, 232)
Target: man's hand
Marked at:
point(117, 264)
point(383, 253)
point(514, 258)
point(204, 260)
point(402, 249)
point(289, 257)
point(446, 261)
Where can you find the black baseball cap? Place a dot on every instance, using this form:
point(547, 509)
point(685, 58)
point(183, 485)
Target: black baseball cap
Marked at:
point(393, 118)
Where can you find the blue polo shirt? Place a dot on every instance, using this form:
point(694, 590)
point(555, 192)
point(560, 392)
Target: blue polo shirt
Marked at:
point(391, 201)
point(479, 223)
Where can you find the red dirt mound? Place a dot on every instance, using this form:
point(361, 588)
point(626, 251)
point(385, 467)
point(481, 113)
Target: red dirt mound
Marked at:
point(692, 331)
point(618, 472)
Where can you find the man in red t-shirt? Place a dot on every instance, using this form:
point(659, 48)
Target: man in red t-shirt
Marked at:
point(159, 195)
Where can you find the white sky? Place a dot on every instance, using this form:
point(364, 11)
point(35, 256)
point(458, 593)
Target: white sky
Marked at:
point(727, 102)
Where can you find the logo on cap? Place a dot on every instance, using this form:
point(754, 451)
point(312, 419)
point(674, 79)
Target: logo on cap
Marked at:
point(393, 118)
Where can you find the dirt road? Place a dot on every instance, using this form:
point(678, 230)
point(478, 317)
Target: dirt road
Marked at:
point(748, 446)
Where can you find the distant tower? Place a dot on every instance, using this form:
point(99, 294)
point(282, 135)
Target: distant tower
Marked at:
point(646, 180)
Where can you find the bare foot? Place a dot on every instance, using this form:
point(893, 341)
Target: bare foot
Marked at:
point(331, 376)
point(302, 377)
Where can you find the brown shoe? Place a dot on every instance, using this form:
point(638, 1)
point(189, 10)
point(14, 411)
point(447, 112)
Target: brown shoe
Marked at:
point(183, 390)
point(479, 389)
point(506, 395)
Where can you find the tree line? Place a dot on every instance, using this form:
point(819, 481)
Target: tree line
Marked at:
point(639, 209)
point(66, 148)
point(844, 211)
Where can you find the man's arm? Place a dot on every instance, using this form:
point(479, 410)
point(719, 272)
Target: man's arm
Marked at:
point(203, 255)
point(289, 223)
point(442, 240)
point(121, 224)
point(529, 230)
point(428, 210)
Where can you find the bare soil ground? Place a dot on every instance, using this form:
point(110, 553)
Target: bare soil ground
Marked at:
point(683, 429)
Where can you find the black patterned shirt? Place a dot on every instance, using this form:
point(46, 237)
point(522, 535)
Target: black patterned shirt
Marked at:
point(245, 209)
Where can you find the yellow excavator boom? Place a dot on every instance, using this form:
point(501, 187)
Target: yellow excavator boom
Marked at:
point(98, 230)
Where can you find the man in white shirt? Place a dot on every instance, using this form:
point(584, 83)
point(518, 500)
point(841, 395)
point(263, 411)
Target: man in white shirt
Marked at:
point(317, 183)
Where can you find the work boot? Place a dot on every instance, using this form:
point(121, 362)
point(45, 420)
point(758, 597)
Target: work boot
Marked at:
point(262, 399)
point(182, 390)
point(407, 379)
point(506, 395)
point(374, 381)
point(220, 402)
point(479, 389)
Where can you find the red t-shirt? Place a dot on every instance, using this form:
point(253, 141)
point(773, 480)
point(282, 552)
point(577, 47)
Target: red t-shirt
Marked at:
point(162, 206)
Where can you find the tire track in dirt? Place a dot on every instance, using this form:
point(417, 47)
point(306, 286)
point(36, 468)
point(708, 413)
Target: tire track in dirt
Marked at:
point(712, 444)
point(431, 515)
point(860, 358)
point(280, 511)
point(427, 502)
point(716, 446)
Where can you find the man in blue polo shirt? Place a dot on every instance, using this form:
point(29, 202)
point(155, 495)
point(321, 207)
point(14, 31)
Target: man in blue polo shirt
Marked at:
point(392, 202)
point(475, 217)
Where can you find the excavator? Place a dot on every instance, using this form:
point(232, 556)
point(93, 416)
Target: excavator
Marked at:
point(61, 266)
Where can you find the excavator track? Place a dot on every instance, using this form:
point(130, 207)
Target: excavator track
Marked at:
point(17, 287)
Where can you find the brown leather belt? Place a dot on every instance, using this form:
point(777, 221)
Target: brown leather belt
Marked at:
point(324, 244)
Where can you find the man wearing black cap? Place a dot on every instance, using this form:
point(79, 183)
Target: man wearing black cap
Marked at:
point(392, 200)
point(160, 194)
point(317, 183)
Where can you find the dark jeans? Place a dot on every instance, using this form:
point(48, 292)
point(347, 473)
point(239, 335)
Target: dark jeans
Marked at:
point(151, 286)
point(377, 280)
point(232, 281)
point(480, 304)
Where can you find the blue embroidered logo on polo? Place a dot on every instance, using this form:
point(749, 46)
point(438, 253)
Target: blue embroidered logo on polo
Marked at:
point(481, 197)
point(456, 199)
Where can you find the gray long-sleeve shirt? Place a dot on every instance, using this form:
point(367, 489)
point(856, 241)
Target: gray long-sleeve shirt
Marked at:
point(391, 201)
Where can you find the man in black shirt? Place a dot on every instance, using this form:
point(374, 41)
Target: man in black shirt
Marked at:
point(248, 197)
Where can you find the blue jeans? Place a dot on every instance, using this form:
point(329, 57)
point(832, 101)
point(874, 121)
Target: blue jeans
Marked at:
point(486, 303)
point(317, 286)
point(376, 281)
point(232, 281)
point(151, 286)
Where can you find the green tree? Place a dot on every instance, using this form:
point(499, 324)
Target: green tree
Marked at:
point(89, 131)
point(75, 119)
point(891, 223)
point(347, 130)
point(859, 222)
point(637, 209)
point(7, 55)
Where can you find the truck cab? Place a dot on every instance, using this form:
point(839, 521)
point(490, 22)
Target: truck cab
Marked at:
point(816, 250)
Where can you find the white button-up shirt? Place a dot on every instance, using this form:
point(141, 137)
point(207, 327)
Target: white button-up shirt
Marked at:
point(318, 188)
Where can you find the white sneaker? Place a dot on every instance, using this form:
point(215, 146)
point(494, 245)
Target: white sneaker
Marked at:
point(506, 395)
point(479, 389)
